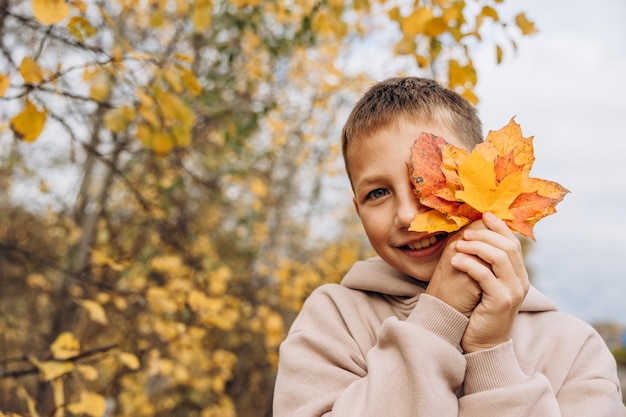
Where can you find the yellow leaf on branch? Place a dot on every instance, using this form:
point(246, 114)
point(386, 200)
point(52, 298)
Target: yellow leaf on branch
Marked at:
point(4, 84)
point(118, 119)
point(31, 71)
point(88, 372)
point(95, 310)
point(50, 370)
point(29, 123)
point(80, 28)
point(129, 360)
point(201, 17)
point(161, 143)
point(65, 346)
point(90, 404)
point(526, 26)
point(49, 12)
point(416, 22)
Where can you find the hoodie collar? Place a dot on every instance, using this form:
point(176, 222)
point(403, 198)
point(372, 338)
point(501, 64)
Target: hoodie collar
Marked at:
point(376, 275)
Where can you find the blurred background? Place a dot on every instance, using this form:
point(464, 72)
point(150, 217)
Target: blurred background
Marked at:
point(171, 187)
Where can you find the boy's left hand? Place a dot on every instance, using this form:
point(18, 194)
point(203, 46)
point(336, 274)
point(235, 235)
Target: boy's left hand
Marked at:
point(492, 257)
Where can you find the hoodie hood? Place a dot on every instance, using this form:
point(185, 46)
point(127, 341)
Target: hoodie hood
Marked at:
point(375, 275)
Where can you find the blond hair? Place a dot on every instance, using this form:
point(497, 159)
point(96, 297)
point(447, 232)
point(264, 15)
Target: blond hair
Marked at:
point(414, 99)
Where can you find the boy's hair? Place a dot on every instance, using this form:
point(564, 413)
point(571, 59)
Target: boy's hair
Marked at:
point(419, 100)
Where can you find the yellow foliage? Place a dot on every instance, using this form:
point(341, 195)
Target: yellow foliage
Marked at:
point(225, 408)
point(99, 258)
point(129, 360)
point(218, 280)
point(5, 82)
point(99, 90)
point(29, 123)
point(245, 3)
point(49, 12)
point(159, 301)
point(95, 310)
point(88, 372)
point(90, 403)
point(168, 264)
point(527, 27)
point(49, 370)
point(161, 143)
point(416, 22)
point(65, 346)
point(209, 282)
point(81, 28)
point(38, 281)
point(201, 15)
point(118, 119)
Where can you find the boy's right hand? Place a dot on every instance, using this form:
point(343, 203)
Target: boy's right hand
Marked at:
point(453, 287)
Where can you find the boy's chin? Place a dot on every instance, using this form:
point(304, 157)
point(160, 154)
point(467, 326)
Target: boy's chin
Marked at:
point(423, 274)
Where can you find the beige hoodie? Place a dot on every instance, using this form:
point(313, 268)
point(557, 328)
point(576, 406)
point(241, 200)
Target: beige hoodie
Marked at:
point(377, 346)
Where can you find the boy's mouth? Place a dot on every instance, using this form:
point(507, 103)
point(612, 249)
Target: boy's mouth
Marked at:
point(426, 242)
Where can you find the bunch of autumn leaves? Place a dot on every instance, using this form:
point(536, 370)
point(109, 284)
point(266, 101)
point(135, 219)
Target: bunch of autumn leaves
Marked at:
point(460, 186)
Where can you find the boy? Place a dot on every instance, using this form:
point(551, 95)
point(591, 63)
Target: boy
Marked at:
point(438, 324)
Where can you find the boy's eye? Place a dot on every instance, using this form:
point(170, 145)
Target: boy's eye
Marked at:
point(377, 193)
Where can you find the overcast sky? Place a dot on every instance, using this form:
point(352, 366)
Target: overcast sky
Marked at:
point(567, 88)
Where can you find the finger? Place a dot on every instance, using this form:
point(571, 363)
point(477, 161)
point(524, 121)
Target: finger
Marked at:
point(497, 295)
point(479, 270)
point(498, 259)
point(508, 243)
point(496, 224)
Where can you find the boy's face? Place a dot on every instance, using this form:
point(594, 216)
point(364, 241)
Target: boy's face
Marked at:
point(385, 200)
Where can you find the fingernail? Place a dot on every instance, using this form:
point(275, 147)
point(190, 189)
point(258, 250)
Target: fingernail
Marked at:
point(490, 216)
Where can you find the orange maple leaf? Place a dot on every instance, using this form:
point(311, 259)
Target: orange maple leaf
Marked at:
point(460, 186)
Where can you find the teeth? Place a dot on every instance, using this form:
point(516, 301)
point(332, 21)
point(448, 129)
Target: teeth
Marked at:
point(422, 244)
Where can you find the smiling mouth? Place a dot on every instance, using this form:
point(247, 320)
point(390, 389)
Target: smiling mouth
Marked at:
point(424, 243)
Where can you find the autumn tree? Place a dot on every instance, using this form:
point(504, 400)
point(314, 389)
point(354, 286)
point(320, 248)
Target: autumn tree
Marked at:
point(163, 170)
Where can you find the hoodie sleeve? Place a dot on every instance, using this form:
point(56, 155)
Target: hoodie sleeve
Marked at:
point(414, 367)
point(574, 375)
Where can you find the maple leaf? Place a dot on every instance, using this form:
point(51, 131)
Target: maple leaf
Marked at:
point(461, 186)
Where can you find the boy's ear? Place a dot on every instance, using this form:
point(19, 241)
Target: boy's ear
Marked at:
point(356, 206)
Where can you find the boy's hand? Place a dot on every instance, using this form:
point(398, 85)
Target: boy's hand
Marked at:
point(451, 285)
point(492, 256)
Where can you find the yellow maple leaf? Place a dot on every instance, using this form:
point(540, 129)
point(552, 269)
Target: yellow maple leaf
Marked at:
point(434, 221)
point(49, 12)
point(29, 123)
point(478, 178)
point(461, 186)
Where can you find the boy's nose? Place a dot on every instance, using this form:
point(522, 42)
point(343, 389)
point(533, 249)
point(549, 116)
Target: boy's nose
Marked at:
point(408, 207)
